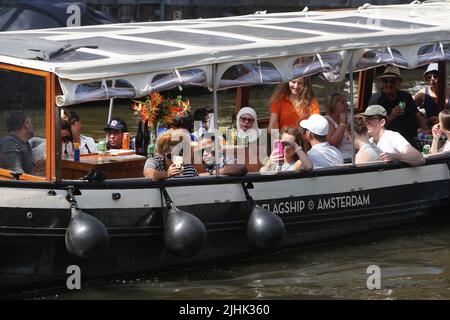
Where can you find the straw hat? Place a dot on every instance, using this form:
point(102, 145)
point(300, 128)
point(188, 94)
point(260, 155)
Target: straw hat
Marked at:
point(391, 72)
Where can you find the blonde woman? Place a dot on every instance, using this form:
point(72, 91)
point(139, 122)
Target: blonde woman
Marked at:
point(443, 127)
point(337, 124)
point(292, 102)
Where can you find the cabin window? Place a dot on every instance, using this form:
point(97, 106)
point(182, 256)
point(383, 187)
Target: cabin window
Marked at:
point(329, 64)
point(247, 74)
point(185, 78)
point(432, 53)
point(22, 95)
point(378, 57)
point(103, 90)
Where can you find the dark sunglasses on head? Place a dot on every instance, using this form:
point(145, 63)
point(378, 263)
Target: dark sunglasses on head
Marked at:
point(432, 75)
point(246, 119)
point(390, 81)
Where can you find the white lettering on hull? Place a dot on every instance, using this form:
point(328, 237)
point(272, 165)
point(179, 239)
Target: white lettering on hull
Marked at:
point(322, 204)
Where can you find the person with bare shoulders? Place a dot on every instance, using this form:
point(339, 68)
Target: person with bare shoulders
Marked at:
point(367, 151)
point(439, 129)
point(337, 112)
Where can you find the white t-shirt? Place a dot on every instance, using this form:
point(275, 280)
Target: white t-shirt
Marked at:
point(392, 142)
point(87, 145)
point(324, 155)
point(446, 147)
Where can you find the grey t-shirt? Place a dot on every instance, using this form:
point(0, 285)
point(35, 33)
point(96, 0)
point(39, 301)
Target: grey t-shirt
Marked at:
point(15, 154)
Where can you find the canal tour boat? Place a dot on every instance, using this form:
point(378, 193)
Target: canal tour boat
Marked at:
point(50, 219)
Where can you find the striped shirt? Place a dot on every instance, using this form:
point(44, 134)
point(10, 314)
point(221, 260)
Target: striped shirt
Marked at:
point(157, 163)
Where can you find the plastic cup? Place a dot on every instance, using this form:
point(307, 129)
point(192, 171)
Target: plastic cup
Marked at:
point(426, 149)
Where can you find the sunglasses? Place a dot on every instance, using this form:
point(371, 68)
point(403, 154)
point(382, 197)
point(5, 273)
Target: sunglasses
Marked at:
point(250, 120)
point(287, 145)
point(432, 75)
point(66, 139)
point(371, 118)
point(390, 81)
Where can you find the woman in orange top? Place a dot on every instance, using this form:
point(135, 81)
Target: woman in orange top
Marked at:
point(292, 102)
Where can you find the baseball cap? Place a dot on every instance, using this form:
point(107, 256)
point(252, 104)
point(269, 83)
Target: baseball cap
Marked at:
point(431, 67)
point(316, 123)
point(117, 124)
point(391, 72)
point(375, 110)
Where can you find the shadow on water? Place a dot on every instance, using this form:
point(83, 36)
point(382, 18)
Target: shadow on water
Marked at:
point(414, 260)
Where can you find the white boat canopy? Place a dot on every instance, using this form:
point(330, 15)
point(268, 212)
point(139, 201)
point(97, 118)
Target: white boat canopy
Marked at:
point(134, 59)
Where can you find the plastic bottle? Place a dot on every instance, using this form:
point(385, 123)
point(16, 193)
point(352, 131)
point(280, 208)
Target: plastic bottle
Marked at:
point(76, 152)
point(151, 145)
point(426, 149)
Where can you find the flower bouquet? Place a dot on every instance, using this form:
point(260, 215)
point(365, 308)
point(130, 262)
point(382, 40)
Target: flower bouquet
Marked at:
point(157, 111)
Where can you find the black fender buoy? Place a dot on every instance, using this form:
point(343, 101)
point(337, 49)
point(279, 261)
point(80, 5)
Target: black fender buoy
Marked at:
point(184, 233)
point(265, 230)
point(86, 236)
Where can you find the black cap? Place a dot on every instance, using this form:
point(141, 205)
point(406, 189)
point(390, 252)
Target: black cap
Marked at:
point(117, 124)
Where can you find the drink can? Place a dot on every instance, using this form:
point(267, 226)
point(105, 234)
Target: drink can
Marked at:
point(426, 149)
point(101, 147)
point(126, 140)
point(402, 105)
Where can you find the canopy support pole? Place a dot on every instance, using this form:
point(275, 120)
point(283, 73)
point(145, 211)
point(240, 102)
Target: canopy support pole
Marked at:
point(442, 81)
point(365, 82)
point(352, 107)
point(242, 97)
point(217, 150)
point(111, 106)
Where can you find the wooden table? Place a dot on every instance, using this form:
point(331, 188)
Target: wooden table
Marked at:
point(115, 167)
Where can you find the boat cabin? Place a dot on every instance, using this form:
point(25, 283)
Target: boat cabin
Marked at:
point(43, 71)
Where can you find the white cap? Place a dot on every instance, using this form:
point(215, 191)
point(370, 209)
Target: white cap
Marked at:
point(316, 123)
point(432, 67)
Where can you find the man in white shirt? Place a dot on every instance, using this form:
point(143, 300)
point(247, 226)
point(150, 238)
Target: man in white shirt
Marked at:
point(394, 146)
point(322, 154)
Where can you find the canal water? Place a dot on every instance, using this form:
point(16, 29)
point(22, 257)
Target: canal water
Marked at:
point(414, 261)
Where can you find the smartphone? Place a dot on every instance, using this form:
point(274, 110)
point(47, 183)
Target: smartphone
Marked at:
point(178, 161)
